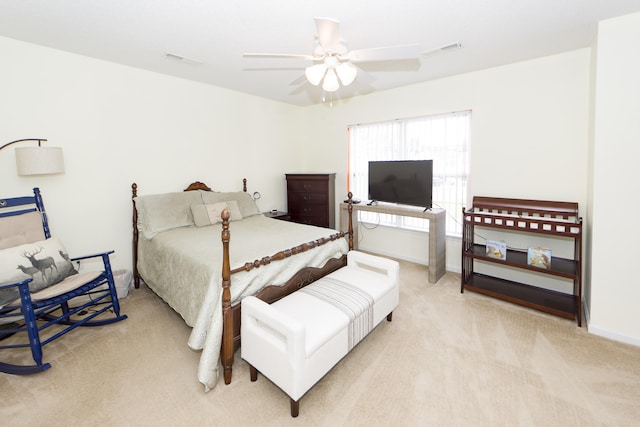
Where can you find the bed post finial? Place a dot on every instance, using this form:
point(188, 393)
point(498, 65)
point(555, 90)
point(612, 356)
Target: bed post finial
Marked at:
point(244, 184)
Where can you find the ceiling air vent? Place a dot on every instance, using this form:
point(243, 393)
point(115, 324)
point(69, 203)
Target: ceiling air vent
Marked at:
point(452, 46)
point(184, 60)
point(446, 48)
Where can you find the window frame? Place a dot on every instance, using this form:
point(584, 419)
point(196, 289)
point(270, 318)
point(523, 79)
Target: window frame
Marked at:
point(444, 137)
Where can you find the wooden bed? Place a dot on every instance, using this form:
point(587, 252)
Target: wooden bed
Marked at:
point(230, 340)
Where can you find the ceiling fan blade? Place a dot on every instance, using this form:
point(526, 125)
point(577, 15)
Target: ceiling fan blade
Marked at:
point(328, 34)
point(279, 55)
point(390, 53)
point(363, 76)
point(299, 80)
point(399, 65)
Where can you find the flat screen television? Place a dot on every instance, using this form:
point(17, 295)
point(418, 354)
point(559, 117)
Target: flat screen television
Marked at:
point(406, 182)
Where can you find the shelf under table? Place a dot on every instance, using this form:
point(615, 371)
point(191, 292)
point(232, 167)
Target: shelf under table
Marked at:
point(549, 301)
point(559, 266)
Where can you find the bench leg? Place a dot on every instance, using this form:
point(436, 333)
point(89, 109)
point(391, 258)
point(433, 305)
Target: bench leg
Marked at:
point(389, 316)
point(295, 407)
point(253, 372)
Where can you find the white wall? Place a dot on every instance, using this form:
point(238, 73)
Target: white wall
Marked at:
point(615, 291)
point(119, 125)
point(529, 135)
point(530, 138)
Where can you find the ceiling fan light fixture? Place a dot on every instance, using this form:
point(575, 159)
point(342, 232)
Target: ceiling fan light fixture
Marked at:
point(331, 83)
point(333, 65)
point(315, 73)
point(347, 73)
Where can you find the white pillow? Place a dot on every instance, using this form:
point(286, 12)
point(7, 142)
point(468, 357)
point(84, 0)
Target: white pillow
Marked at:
point(208, 214)
point(160, 212)
point(246, 204)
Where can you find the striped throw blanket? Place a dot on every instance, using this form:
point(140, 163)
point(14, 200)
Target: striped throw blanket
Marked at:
point(354, 302)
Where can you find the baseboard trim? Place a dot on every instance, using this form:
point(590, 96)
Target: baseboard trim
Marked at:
point(392, 255)
point(614, 336)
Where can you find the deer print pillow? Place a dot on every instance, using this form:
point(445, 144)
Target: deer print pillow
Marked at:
point(46, 262)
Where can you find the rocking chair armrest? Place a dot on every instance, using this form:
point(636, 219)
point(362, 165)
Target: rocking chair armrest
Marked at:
point(101, 254)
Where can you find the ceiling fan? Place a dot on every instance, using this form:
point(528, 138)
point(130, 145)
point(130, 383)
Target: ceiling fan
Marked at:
point(333, 62)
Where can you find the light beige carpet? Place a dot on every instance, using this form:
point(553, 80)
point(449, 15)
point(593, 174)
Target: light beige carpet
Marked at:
point(447, 359)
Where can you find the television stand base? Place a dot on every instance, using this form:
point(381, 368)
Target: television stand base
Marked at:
point(437, 228)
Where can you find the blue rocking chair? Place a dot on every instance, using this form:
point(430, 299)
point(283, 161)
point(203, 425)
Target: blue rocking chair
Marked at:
point(42, 296)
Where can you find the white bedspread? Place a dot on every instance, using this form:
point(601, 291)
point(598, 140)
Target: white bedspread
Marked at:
point(184, 267)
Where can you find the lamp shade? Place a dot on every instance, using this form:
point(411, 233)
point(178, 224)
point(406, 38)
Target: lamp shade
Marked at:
point(315, 73)
point(39, 160)
point(347, 73)
point(330, 83)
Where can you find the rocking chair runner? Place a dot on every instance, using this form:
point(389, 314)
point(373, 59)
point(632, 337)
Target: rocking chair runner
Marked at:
point(50, 298)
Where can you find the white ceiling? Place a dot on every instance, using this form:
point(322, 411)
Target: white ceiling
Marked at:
point(140, 33)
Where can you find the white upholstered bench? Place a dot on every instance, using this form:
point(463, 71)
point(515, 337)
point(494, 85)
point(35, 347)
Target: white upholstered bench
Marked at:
point(295, 341)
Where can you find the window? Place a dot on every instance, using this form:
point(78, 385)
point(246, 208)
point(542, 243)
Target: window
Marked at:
point(444, 138)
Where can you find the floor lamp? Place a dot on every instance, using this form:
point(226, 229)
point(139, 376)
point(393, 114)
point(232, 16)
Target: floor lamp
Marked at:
point(37, 160)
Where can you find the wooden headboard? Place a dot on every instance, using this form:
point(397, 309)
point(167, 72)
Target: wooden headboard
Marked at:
point(197, 185)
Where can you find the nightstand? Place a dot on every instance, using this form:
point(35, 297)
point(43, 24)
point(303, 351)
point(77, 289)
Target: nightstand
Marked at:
point(278, 215)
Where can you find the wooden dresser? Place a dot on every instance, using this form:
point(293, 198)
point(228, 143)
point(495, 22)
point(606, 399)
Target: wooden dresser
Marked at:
point(311, 198)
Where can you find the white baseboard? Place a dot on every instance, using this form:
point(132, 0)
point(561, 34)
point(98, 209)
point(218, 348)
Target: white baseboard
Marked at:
point(605, 333)
point(388, 254)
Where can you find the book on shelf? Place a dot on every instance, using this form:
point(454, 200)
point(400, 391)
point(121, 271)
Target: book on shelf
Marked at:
point(496, 249)
point(539, 257)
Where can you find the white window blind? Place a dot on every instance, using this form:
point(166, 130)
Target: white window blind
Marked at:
point(443, 138)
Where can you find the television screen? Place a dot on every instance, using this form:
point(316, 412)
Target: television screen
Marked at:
point(406, 182)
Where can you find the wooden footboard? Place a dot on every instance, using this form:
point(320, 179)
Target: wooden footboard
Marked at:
point(231, 315)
